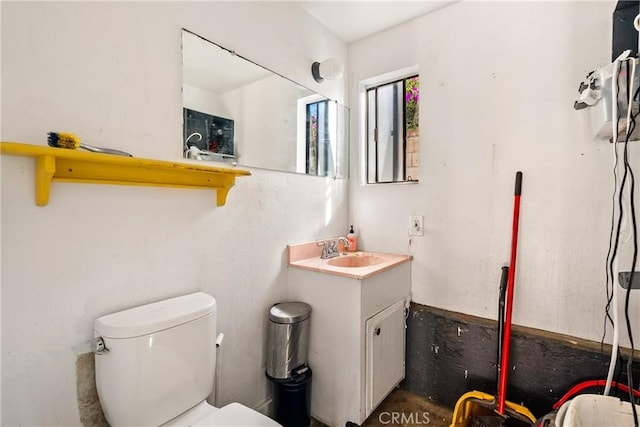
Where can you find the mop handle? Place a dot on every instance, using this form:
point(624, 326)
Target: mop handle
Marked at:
point(502, 295)
point(506, 339)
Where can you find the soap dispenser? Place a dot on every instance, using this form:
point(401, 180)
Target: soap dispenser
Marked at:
point(353, 240)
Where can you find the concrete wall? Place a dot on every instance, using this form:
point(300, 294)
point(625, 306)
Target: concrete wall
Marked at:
point(111, 72)
point(498, 81)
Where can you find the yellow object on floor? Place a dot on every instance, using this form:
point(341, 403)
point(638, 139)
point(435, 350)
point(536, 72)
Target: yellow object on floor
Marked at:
point(476, 404)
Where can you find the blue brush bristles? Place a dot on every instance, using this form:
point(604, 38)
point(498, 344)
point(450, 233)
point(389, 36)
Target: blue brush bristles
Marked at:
point(52, 139)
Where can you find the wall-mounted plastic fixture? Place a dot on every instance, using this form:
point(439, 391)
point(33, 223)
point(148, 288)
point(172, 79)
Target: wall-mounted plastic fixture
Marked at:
point(60, 164)
point(596, 97)
point(624, 278)
point(330, 69)
point(415, 226)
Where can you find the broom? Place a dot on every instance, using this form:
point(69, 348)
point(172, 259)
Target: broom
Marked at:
point(503, 417)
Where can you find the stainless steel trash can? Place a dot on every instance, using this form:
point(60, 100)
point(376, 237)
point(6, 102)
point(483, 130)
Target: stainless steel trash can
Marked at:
point(287, 368)
point(288, 342)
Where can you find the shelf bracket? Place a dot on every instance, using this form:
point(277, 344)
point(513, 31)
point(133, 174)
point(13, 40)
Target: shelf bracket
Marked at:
point(45, 169)
point(222, 191)
point(221, 196)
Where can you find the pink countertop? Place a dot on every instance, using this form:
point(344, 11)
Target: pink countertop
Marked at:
point(307, 256)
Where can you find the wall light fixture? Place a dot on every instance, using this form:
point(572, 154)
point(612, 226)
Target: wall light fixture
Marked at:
point(330, 69)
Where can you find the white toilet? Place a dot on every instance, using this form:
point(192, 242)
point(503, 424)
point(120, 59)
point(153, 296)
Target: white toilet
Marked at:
point(155, 366)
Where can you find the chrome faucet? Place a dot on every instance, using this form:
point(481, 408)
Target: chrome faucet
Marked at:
point(330, 247)
point(344, 240)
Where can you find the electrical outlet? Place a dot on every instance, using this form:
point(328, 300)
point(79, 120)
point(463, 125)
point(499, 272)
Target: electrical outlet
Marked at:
point(415, 226)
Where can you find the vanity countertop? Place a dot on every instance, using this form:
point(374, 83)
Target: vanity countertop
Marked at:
point(307, 256)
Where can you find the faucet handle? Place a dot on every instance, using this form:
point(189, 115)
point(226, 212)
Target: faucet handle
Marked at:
point(329, 248)
point(325, 248)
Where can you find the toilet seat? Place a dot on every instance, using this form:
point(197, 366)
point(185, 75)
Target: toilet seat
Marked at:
point(237, 415)
point(231, 415)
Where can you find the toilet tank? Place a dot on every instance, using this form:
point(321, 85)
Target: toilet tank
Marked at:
point(160, 360)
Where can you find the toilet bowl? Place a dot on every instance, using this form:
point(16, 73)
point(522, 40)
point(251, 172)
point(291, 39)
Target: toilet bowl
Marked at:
point(231, 415)
point(155, 366)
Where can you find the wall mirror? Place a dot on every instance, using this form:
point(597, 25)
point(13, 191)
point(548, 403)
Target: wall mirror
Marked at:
point(236, 111)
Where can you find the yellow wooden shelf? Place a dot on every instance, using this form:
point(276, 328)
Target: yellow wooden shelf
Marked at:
point(60, 164)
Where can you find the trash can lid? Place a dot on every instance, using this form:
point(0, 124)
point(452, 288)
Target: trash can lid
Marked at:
point(290, 312)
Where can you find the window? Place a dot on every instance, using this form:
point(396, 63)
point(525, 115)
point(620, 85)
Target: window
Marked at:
point(319, 158)
point(392, 131)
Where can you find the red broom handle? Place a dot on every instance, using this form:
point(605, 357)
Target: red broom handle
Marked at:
point(506, 338)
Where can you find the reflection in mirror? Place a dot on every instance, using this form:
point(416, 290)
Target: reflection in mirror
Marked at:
point(237, 111)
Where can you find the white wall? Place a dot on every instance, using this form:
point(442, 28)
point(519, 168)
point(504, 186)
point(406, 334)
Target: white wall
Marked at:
point(498, 81)
point(111, 72)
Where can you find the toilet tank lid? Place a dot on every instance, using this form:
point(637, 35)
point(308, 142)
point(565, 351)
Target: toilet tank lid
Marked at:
point(154, 317)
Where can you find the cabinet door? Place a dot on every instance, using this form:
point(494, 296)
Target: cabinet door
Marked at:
point(385, 348)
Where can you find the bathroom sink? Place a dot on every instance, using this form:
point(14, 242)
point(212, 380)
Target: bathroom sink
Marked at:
point(355, 265)
point(355, 261)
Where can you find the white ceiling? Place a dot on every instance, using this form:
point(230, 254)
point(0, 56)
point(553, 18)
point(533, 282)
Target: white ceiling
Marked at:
point(353, 20)
point(210, 67)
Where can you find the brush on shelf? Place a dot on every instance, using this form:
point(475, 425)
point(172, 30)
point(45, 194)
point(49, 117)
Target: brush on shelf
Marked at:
point(72, 142)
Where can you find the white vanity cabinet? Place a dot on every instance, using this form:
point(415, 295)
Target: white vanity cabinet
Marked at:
point(357, 339)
